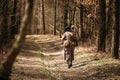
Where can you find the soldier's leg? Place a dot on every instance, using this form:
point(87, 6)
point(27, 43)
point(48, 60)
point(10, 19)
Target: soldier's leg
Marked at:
point(69, 63)
point(65, 52)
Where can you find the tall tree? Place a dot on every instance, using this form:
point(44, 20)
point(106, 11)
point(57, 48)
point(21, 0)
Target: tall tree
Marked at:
point(108, 17)
point(66, 12)
point(13, 20)
point(115, 31)
point(4, 30)
point(81, 21)
point(6, 67)
point(102, 26)
point(43, 16)
point(55, 5)
point(72, 10)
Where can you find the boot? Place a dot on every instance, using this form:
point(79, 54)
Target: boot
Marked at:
point(69, 64)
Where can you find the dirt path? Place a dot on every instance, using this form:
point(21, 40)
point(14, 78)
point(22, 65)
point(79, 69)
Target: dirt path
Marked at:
point(42, 59)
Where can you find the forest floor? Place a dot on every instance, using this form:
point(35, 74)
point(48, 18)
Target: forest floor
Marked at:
point(41, 58)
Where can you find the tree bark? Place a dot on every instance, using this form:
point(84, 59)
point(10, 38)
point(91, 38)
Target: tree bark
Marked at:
point(4, 31)
point(6, 67)
point(43, 17)
point(66, 13)
point(115, 31)
point(13, 21)
point(72, 15)
point(102, 26)
point(55, 12)
point(81, 22)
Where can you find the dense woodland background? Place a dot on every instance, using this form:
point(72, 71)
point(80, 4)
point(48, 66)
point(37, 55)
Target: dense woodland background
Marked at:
point(97, 22)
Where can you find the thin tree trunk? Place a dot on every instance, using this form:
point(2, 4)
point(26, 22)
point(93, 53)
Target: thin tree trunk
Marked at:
point(55, 5)
point(43, 17)
point(6, 67)
point(72, 16)
point(60, 18)
point(81, 22)
point(66, 14)
point(102, 26)
point(109, 18)
point(13, 20)
point(115, 31)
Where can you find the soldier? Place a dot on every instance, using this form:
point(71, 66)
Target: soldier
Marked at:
point(68, 40)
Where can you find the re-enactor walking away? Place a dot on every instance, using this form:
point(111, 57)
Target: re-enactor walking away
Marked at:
point(69, 43)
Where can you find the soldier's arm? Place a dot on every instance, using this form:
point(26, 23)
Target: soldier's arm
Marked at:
point(63, 37)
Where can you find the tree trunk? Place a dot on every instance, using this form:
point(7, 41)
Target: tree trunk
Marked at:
point(109, 18)
point(4, 30)
point(72, 15)
point(5, 69)
point(13, 21)
point(102, 25)
point(81, 22)
point(115, 31)
point(55, 5)
point(66, 14)
point(43, 17)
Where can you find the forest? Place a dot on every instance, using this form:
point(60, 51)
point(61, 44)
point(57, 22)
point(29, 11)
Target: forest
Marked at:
point(30, 39)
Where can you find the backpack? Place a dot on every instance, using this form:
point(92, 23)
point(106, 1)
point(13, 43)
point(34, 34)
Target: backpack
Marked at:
point(66, 43)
